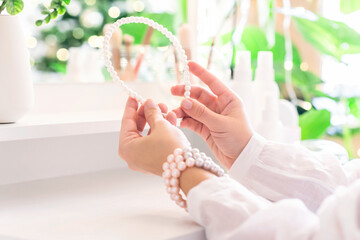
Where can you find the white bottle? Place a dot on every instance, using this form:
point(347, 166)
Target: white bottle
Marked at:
point(243, 85)
point(265, 85)
point(289, 118)
point(270, 126)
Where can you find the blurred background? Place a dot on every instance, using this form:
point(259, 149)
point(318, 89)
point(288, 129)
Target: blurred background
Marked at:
point(316, 47)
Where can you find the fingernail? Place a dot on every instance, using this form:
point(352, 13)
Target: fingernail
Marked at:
point(187, 104)
point(150, 104)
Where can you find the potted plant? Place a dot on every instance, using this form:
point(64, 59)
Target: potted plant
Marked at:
point(16, 89)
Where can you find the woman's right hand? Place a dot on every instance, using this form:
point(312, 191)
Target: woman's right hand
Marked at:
point(218, 116)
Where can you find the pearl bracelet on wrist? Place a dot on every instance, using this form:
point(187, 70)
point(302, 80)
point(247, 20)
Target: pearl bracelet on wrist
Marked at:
point(178, 162)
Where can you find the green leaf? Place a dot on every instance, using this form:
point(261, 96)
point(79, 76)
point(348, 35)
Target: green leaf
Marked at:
point(39, 23)
point(349, 6)
point(329, 37)
point(54, 14)
point(138, 30)
point(354, 106)
point(48, 18)
point(67, 2)
point(62, 10)
point(314, 123)
point(14, 7)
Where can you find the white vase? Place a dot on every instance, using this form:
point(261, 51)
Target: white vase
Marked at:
point(16, 87)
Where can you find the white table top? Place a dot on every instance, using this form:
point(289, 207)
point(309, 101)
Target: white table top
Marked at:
point(112, 204)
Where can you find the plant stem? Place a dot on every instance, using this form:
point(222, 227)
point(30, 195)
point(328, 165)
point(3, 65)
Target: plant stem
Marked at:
point(2, 6)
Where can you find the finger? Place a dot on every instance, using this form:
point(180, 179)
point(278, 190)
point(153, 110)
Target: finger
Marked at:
point(196, 127)
point(202, 95)
point(141, 121)
point(152, 113)
point(215, 85)
point(200, 113)
point(128, 123)
point(179, 113)
point(163, 107)
point(171, 117)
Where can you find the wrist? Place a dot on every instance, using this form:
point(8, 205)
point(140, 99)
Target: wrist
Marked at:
point(191, 177)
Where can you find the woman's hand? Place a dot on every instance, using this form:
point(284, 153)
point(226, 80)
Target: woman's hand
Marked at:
point(148, 153)
point(218, 116)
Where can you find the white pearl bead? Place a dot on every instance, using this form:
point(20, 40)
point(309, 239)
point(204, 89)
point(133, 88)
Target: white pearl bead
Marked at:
point(187, 94)
point(175, 173)
point(166, 173)
point(190, 162)
point(187, 155)
point(178, 151)
point(174, 181)
point(182, 204)
point(220, 172)
point(196, 155)
point(175, 197)
point(187, 149)
point(181, 166)
point(187, 88)
point(165, 166)
point(207, 164)
point(174, 189)
point(172, 165)
point(195, 150)
point(214, 168)
point(168, 190)
point(170, 158)
point(167, 182)
point(199, 162)
point(203, 155)
point(179, 158)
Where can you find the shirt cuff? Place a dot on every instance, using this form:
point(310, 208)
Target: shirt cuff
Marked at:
point(247, 157)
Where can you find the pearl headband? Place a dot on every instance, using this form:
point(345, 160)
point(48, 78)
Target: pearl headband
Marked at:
point(160, 28)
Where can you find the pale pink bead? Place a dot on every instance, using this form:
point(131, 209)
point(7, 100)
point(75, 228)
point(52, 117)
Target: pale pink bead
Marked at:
point(181, 204)
point(190, 162)
point(214, 168)
point(199, 162)
point(179, 158)
point(187, 149)
point(195, 150)
point(174, 182)
point(178, 151)
point(175, 173)
point(170, 158)
point(165, 166)
point(187, 155)
point(181, 166)
point(167, 182)
point(168, 189)
point(196, 155)
point(203, 155)
point(221, 172)
point(174, 189)
point(166, 173)
point(175, 197)
point(172, 165)
point(207, 164)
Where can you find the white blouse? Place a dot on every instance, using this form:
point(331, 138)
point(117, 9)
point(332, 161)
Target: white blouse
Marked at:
point(280, 191)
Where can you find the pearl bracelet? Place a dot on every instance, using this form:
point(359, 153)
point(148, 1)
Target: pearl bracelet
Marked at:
point(178, 162)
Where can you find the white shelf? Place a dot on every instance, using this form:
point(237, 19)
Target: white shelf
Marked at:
point(58, 125)
point(113, 204)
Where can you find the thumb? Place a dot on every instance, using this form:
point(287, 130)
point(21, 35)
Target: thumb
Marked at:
point(199, 112)
point(152, 113)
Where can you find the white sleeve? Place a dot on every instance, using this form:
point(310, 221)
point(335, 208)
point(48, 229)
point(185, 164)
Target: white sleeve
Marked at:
point(277, 171)
point(227, 210)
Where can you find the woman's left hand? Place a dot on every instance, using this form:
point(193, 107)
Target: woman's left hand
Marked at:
point(148, 153)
